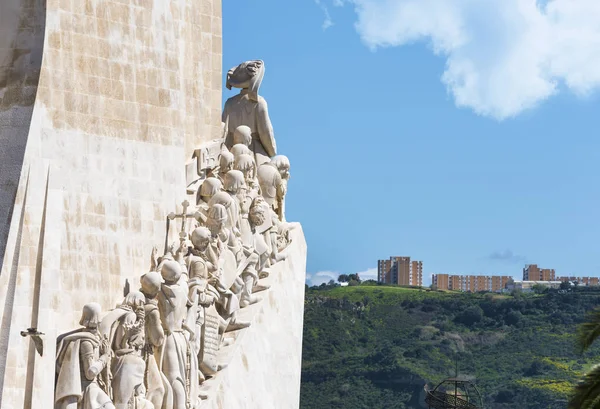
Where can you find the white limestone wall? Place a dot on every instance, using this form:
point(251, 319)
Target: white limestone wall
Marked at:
point(264, 364)
point(95, 144)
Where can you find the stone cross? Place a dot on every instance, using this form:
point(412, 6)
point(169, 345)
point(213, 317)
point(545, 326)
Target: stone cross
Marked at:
point(183, 216)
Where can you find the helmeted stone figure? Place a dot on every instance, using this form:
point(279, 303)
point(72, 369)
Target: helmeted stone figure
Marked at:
point(158, 389)
point(223, 241)
point(257, 217)
point(250, 109)
point(210, 187)
point(247, 165)
point(81, 356)
point(242, 135)
point(240, 149)
point(226, 159)
point(175, 357)
point(202, 297)
point(282, 163)
point(235, 186)
point(232, 207)
point(271, 184)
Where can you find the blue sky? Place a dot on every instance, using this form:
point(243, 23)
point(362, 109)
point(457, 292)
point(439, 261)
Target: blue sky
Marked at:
point(460, 135)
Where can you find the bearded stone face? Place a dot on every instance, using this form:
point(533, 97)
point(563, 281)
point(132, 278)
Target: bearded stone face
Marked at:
point(257, 214)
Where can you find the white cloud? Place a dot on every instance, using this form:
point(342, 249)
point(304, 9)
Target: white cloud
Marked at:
point(328, 22)
point(369, 274)
point(502, 56)
point(338, 3)
point(324, 276)
point(321, 277)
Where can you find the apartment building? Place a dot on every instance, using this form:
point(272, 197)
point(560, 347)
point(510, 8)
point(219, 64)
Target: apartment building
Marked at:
point(585, 281)
point(441, 281)
point(416, 273)
point(532, 272)
point(470, 283)
point(400, 270)
point(384, 268)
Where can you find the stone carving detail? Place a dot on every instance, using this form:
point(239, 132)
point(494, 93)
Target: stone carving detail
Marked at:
point(250, 110)
point(81, 359)
point(157, 348)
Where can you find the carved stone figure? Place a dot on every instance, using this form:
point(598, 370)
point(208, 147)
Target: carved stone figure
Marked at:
point(202, 297)
point(81, 356)
point(245, 164)
point(250, 109)
point(226, 159)
point(242, 135)
point(235, 186)
point(233, 210)
point(272, 230)
point(125, 329)
point(157, 349)
point(234, 183)
point(282, 163)
point(175, 357)
point(157, 387)
point(240, 149)
point(139, 398)
point(207, 190)
point(257, 217)
point(225, 275)
point(271, 184)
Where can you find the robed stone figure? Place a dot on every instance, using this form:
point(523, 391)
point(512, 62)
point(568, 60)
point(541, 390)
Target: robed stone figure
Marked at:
point(249, 109)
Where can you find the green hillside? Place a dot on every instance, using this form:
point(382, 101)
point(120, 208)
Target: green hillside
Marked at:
point(372, 347)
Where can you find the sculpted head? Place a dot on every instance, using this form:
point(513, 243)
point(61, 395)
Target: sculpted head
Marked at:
point(258, 212)
point(221, 198)
point(282, 163)
point(217, 217)
point(201, 237)
point(171, 271)
point(245, 163)
point(269, 179)
point(150, 283)
point(208, 189)
point(242, 135)
point(90, 315)
point(234, 181)
point(225, 161)
point(134, 299)
point(240, 149)
point(248, 75)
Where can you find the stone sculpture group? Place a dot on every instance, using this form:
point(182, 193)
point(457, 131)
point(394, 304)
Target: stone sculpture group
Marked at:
point(156, 349)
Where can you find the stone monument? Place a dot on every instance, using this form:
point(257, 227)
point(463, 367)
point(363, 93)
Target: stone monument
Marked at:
point(110, 124)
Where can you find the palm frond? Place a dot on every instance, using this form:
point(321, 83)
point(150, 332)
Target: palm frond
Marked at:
point(587, 393)
point(589, 331)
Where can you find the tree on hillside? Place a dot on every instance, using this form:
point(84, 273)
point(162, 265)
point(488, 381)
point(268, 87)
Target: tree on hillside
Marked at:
point(470, 316)
point(354, 277)
point(587, 392)
point(565, 285)
point(343, 278)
